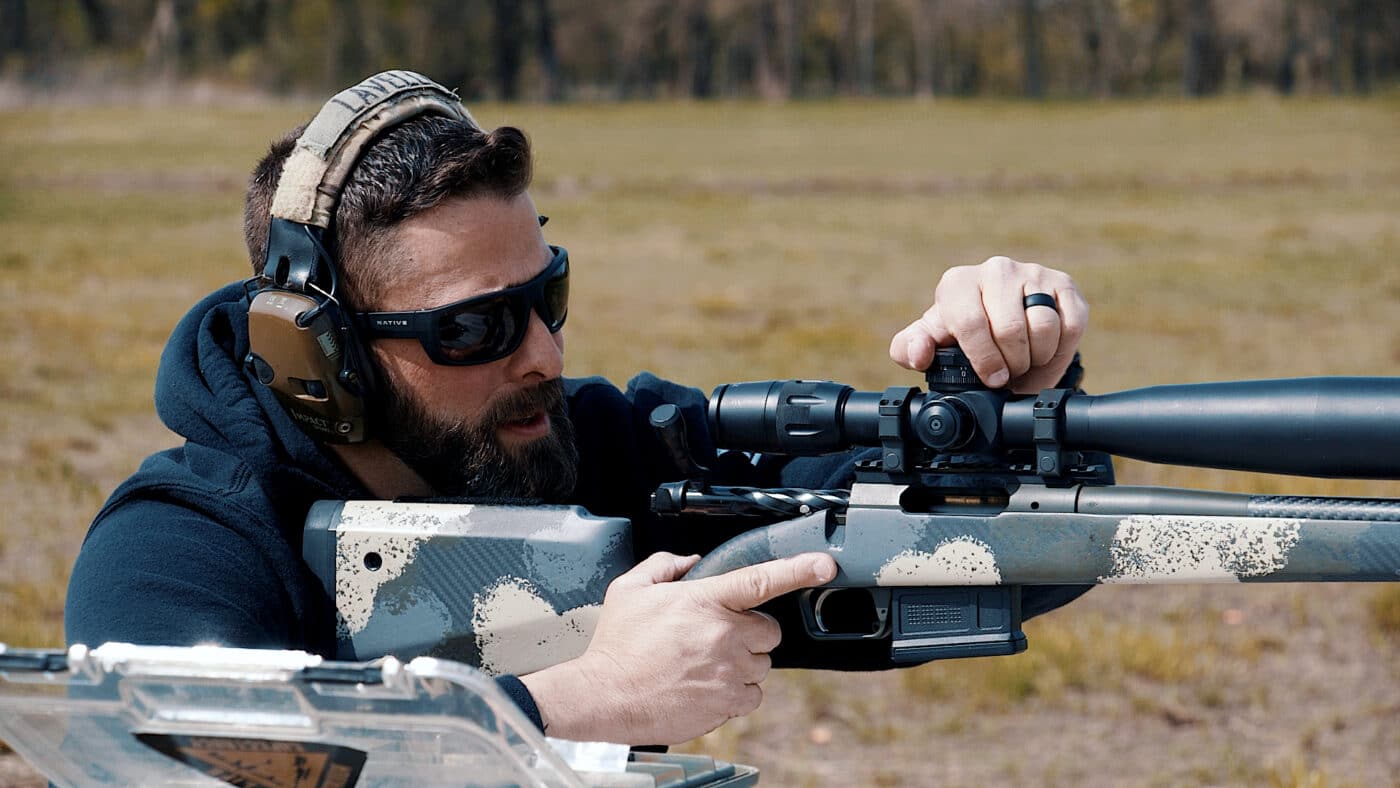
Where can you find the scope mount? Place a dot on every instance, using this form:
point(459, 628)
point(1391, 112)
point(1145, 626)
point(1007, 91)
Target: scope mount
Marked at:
point(956, 428)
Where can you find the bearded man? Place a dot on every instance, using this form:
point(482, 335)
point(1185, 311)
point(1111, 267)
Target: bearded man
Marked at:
point(460, 303)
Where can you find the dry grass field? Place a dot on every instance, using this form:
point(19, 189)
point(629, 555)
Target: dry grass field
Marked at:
point(1239, 238)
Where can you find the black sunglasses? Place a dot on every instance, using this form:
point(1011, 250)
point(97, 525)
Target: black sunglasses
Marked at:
point(482, 328)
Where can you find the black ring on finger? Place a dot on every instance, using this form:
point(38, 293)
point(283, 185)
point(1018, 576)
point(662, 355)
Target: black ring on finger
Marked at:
point(1040, 299)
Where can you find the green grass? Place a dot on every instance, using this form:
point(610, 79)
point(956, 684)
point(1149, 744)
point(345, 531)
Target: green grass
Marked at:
point(1245, 237)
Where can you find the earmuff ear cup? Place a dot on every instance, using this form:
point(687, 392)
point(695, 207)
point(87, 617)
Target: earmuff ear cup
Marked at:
point(302, 361)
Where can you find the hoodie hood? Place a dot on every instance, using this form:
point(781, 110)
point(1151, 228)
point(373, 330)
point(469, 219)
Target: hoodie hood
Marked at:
point(211, 532)
point(204, 395)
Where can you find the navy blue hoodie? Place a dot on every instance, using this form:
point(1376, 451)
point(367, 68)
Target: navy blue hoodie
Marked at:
point(203, 543)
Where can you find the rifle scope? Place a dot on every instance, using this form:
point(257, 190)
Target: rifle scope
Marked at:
point(1338, 427)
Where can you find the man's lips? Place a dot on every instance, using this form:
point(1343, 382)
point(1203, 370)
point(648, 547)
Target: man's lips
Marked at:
point(534, 425)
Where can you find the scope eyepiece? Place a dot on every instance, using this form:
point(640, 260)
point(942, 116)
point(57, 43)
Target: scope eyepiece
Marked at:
point(782, 416)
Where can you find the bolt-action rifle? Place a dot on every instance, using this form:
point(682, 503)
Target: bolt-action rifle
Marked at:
point(963, 498)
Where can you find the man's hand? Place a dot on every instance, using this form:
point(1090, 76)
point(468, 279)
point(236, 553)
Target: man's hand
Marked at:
point(671, 661)
point(981, 309)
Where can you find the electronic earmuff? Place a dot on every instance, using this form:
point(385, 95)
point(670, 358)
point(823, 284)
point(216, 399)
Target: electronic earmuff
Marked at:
point(301, 338)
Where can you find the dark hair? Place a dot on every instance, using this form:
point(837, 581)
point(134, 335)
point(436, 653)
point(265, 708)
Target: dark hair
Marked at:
point(411, 168)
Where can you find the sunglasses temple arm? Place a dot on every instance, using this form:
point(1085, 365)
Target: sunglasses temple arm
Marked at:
point(394, 325)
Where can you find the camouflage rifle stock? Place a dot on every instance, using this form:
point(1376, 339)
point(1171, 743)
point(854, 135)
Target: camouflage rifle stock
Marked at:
point(965, 497)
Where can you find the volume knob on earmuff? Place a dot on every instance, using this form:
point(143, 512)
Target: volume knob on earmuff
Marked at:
point(260, 369)
point(350, 379)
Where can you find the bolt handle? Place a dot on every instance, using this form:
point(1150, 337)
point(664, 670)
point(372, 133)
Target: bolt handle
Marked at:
point(669, 423)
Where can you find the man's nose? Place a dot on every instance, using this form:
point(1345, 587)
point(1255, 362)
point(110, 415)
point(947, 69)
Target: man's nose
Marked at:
point(541, 355)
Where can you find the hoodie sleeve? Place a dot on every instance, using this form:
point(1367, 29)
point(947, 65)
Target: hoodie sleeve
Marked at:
point(156, 573)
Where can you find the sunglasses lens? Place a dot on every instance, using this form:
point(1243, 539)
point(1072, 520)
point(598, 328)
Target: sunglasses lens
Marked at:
point(556, 299)
point(487, 328)
point(477, 332)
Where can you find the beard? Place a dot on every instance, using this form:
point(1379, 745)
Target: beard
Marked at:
point(462, 459)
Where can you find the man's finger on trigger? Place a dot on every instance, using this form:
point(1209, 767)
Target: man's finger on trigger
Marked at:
point(751, 586)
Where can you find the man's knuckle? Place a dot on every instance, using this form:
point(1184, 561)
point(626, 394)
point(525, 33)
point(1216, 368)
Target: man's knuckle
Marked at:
point(1044, 342)
point(965, 323)
point(722, 671)
point(763, 641)
point(1012, 329)
point(958, 273)
point(774, 633)
point(957, 278)
point(757, 585)
point(986, 359)
point(754, 698)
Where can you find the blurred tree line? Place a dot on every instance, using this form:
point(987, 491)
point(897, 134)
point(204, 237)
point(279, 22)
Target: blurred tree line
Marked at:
point(638, 49)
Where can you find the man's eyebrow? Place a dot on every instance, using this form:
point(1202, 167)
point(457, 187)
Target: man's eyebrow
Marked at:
point(434, 292)
point(549, 258)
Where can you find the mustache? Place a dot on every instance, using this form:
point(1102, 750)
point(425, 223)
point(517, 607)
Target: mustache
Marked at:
point(524, 403)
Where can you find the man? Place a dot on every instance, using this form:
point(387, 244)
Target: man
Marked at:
point(202, 544)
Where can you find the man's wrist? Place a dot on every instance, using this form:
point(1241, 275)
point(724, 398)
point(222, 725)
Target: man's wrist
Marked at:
point(519, 694)
point(571, 705)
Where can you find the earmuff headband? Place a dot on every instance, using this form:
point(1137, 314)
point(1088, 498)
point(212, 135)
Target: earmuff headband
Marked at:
point(326, 152)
